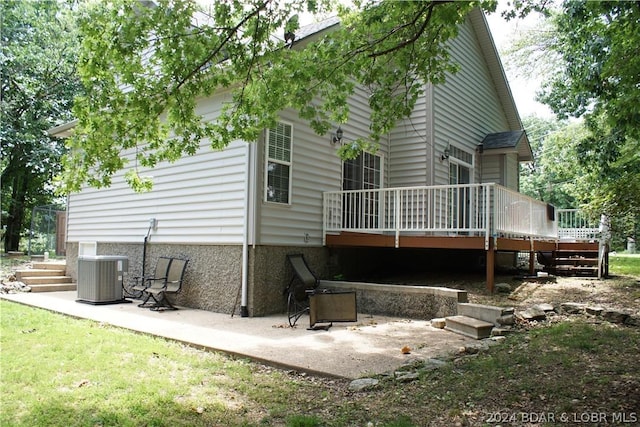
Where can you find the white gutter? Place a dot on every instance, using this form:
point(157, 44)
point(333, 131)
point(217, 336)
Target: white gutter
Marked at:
point(64, 130)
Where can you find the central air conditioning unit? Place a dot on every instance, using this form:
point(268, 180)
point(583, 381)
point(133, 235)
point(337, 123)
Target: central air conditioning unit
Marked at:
point(100, 279)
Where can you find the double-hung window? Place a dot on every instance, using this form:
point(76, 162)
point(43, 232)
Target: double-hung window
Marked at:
point(278, 164)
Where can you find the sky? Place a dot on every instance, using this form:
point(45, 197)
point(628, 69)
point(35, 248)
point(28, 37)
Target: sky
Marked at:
point(523, 90)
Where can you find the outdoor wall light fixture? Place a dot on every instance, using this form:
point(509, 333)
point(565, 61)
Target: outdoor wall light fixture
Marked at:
point(336, 138)
point(446, 153)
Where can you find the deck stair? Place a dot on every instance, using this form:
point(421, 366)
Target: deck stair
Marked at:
point(47, 276)
point(574, 259)
point(476, 320)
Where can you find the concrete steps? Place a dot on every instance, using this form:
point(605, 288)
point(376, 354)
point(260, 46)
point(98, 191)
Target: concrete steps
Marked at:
point(468, 326)
point(46, 276)
point(476, 320)
point(488, 313)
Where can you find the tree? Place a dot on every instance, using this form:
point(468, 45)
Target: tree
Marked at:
point(591, 51)
point(144, 68)
point(556, 177)
point(37, 61)
point(599, 44)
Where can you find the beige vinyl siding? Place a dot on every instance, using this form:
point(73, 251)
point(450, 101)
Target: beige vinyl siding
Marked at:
point(492, 167)
point(466, 107)
point(409, 153)
point(199, 199)
point(512, 172)
point(316, 168)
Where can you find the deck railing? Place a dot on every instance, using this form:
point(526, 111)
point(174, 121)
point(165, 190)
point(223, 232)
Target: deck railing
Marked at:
point(576, 224)
point(519, 215)
point(467, 209)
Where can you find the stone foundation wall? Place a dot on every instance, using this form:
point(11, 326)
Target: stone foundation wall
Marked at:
point(212, 278)
point(270, 273)
point(413, 302)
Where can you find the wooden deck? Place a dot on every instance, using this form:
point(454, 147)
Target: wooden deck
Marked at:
point(352, 239)
point(483, 217)
point(368, 240)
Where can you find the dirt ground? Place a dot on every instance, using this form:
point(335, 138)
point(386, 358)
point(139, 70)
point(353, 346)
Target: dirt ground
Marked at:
point(615, 292)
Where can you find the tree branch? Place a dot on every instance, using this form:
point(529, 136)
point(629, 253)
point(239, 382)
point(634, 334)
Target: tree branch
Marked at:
point(429, 8)
point(217, 51)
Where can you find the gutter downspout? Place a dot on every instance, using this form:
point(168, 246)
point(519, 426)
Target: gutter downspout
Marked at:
point(244, 311)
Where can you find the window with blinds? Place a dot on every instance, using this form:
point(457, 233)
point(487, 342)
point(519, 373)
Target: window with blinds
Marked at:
point(278, 164)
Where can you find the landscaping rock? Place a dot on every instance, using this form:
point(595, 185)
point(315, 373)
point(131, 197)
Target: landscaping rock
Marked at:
point(547, 308)
point(433, 364)
point(11, 287)
point(506, 320)
point(501, 332)
point(439, 323)
point(594, 311)
point(633, 320)
point(572, 308)
point(362, 384)
point(406, 377)
point(532, 314)
point(614, 316)
point(475, 348)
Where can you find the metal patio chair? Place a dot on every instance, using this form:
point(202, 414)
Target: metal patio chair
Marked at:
point(303, 284)
point(172, 285)
point(142, 283)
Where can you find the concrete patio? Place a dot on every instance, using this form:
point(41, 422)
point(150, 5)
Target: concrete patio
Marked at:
point(349, 350)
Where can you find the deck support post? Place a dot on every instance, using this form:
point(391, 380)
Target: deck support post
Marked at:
point(532, 263)
point(532, 257)
point(490, 266)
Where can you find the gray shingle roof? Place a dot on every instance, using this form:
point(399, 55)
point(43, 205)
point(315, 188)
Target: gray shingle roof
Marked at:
point(509, 141)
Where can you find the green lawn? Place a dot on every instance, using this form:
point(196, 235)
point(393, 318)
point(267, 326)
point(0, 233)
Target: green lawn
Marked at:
point(625, 264)
point(62, 371)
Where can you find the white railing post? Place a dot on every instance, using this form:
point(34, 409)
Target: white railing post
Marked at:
point(488, 218)
point(398, 210)
point(324, 218)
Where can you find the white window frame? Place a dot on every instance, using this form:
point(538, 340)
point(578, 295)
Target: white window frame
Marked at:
point(283, 162)
point(457, 161)
point(378, 155)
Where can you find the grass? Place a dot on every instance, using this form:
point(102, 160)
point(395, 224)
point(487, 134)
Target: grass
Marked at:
point(625, 264)
point(58, 370)
point(63, 371)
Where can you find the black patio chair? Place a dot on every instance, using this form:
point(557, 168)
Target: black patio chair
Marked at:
point(172, 285)
point(303, 284)
point(142, 283)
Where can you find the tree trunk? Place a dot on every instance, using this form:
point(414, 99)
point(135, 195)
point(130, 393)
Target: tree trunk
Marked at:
point(16, 213)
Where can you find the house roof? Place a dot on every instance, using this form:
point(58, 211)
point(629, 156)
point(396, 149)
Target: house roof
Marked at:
point(508, 142)
point(516, 136)
point(316, 27)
